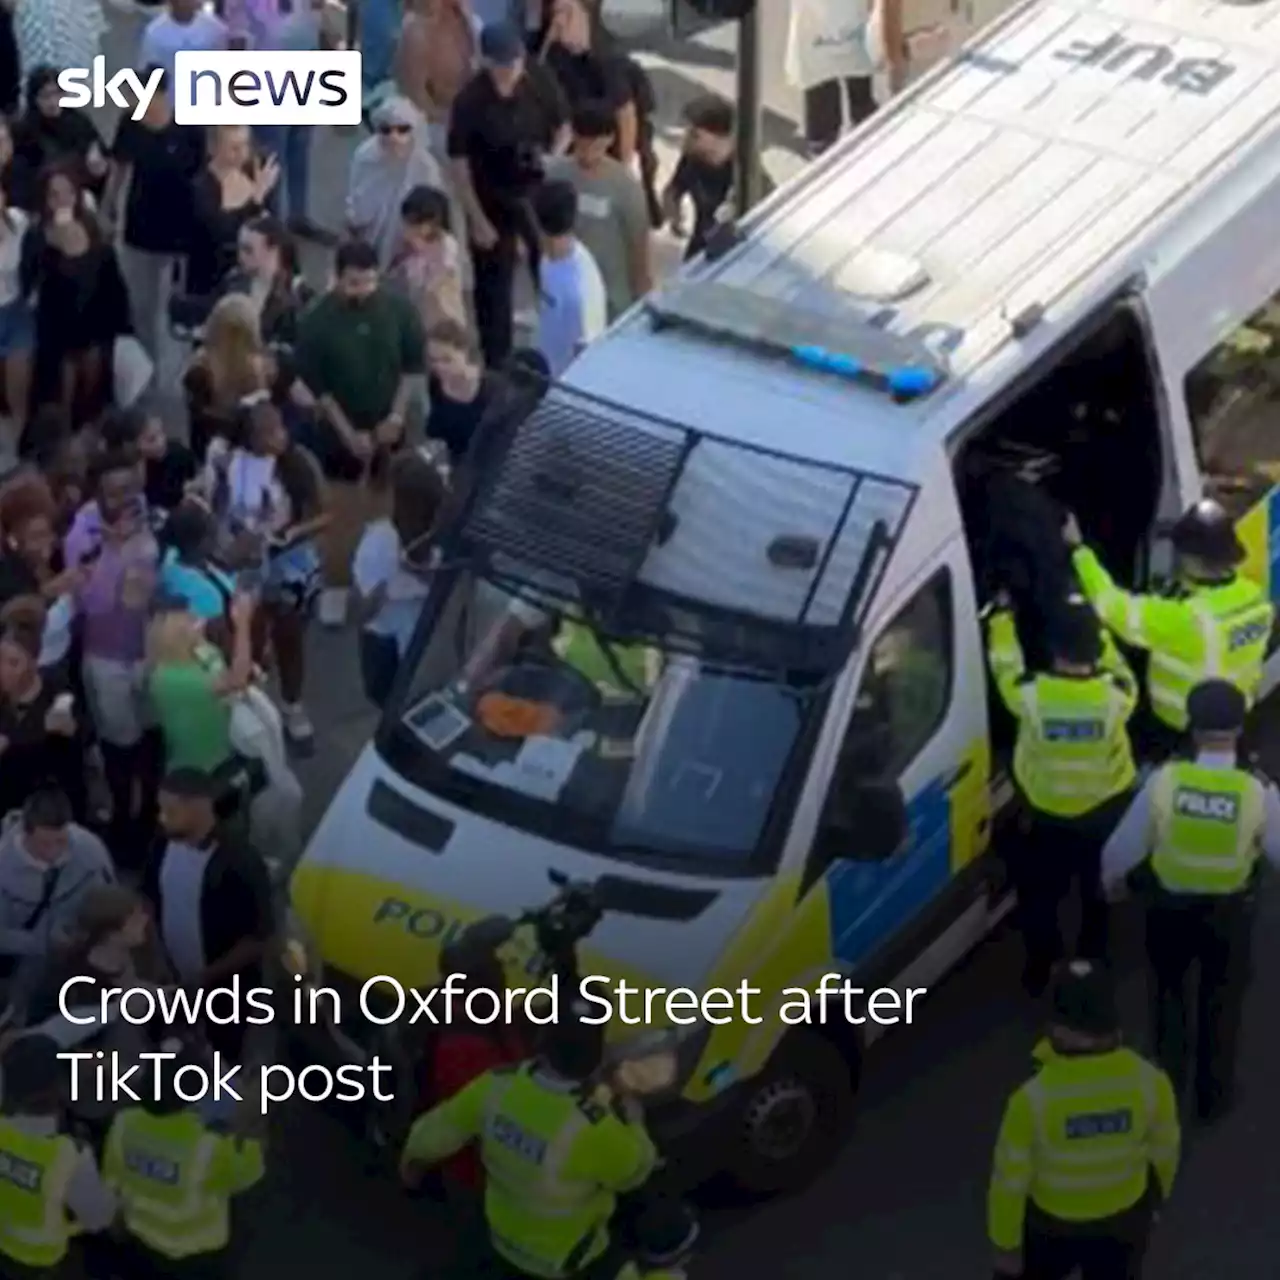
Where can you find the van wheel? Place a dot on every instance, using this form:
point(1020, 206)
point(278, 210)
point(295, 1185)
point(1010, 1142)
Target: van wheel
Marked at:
point(795, 1117)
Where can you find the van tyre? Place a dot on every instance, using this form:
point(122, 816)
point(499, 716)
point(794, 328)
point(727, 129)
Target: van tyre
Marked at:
point(796, 1116)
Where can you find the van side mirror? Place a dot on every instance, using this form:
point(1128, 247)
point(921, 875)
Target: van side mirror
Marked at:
point(867, 823)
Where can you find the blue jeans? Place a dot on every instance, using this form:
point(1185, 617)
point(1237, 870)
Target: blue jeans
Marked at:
point(291, 146)
point(378, 24)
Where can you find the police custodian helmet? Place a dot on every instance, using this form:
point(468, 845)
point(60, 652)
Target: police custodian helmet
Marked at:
point(1084, 999)
point(1216, 706)
point(1205, 531)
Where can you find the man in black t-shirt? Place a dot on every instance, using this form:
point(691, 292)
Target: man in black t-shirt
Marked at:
point(504, 121)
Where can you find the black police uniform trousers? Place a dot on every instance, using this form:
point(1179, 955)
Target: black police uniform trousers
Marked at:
point(1109, 1249)
point(1054, 857)
point(1208, 941)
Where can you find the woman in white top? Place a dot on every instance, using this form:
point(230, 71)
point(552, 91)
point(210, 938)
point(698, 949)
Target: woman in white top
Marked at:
point(17, 325)
point(392, 567)
point(268, 497)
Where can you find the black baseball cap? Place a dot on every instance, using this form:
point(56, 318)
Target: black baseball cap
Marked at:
point(1216, 706)
point(501, 44)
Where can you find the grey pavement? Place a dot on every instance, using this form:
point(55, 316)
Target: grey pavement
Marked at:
point(905, 1200)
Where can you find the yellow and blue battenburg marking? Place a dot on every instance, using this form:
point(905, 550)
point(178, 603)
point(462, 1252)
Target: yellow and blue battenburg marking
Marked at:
point(1259, 530)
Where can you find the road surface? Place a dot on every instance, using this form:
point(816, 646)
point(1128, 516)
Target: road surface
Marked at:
point(905, 1199)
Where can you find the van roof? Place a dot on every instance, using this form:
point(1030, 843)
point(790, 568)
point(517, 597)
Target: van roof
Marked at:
point(1014, 172)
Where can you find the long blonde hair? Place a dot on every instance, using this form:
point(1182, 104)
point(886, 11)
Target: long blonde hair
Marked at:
point(233, 351)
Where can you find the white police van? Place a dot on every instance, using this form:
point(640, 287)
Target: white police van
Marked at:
point(1059, 245)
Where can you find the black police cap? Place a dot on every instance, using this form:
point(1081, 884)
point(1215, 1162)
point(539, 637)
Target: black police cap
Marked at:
point(665, 1231)
point(1216, 706)
point(1205, 531)
point(1075, 634)
point(1084, 998)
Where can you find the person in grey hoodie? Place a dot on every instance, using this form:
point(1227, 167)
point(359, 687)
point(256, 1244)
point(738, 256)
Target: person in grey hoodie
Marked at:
point(47, 865)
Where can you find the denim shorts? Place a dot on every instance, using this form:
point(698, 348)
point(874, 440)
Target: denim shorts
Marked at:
point(17, 328)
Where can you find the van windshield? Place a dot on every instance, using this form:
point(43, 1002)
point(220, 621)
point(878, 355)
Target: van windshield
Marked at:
point(524, 712)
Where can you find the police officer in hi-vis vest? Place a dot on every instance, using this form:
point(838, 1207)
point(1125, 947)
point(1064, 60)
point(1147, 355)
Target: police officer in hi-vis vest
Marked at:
point(50, 1187)
point(1197, 830)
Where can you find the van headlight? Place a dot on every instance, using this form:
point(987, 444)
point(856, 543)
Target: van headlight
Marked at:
point(659, 1061)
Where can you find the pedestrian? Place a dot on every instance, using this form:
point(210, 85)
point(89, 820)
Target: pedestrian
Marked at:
point(228, 193)
point(830, 55)
point(50, 134)
point(168, 465)
point(557, 1153)
point(211, 896)
point(267, 271)
point(573, 303)
point(43, 733)
point(428, 267)
point(175, 1178)
point(47, 865)
point(186, 26)
point(286, 27)
point(70, 268)
point(705, 174)
point(1088, 1148)
point(61, 1192)
point(1215, 622)
point(1198, 830)
point(391, 572)
point(384, 170)
point(111, 541)
point(191, 684)
point(150, 200)
point(360, 352)
point(189, 573)
point(613, 220)
point(505, 121)
point(435, 57)
point(461, 389)
point(1074, 769)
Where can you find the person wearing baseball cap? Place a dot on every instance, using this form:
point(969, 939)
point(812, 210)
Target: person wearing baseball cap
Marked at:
point(505, 121)
point(1199, 829)
point(1088, 1148)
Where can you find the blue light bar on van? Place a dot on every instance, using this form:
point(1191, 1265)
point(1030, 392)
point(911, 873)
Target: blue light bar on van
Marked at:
point(906, 381)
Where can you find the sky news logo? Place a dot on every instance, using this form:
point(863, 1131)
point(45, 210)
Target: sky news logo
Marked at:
point(232, 88)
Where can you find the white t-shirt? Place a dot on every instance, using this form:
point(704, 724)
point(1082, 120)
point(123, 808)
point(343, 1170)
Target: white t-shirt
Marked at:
point(11, 255)
point(164, 39)
point(378, 561)
point(573, 308)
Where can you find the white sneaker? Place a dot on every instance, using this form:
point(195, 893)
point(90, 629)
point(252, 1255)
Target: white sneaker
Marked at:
point(297, 726)
point(332, 609)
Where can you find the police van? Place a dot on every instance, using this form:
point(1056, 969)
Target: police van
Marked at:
point(1060, 245)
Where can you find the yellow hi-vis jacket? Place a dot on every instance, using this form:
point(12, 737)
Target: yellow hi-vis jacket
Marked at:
point(554, 1163)
point(1073, 751)
point(175, 1179)
point(1213, 631)
point(35, 1228)
point(1080, 1140)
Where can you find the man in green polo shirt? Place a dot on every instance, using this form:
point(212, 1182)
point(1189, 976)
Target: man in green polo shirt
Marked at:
point(360, 349)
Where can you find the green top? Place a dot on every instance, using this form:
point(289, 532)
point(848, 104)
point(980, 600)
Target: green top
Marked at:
point(194, 718)
point(357, 353)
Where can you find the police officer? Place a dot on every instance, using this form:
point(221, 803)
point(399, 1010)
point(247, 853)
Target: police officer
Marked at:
point(175, 1178)
point(666, 1233)
point(50, 1187)
point(1200, 826)
point(1215, 622)
point(1072, 1181)
point(556, 1155)
point(1073, 765)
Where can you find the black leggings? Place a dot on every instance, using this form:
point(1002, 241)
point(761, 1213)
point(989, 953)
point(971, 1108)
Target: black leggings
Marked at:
point(824, 108)
point(133, 778)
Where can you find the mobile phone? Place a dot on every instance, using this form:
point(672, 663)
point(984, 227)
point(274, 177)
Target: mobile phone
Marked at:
point(63, 704)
